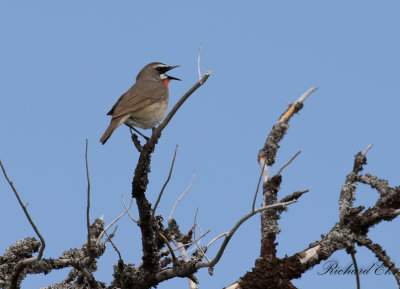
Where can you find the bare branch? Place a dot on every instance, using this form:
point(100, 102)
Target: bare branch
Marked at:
point(194, 236)
point(287, 163)
point(381, 255)
point(191, 243)
point(293, 196)
point(141, 180)
point(198, 63)
point(88, 196)
point(135, 140)
point(367, 149)
point(109, 237)
point(349, 187)
point(165, 184)
point(112, 223)
point(353, 257)
point(181, 196)
point(258, 186)
point(230, 234)
point(296, 106)
point(181, 247)
point(264, 169)
point(43, 244)
point(127, 210)
point(216, 238)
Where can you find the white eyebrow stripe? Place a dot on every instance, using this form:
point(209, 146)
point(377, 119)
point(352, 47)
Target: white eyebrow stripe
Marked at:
point(161, 65)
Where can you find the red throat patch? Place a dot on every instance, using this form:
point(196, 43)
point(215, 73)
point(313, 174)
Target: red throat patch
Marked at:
point(166, 82)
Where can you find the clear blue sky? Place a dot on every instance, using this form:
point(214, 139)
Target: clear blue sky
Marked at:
point(64, 64)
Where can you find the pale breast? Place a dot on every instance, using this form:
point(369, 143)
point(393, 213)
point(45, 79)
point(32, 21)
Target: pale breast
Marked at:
point(149, 116)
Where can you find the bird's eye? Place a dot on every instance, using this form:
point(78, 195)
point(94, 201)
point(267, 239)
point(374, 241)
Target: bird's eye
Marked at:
point(159, 68)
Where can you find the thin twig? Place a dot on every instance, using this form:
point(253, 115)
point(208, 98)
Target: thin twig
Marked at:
point(165, 184)
point(112, 243)
point(353, 257)
point(198, 62)
point(112, 223)
point(306, 94)
point(232, 232)
point(43, 244)
point(88, 196)
point(127, 210)
point(194, 236)
point(288, 163)
point(180, 198)
point(191, 243)
point(258, 186)
point(367, 149)
point(216, 238)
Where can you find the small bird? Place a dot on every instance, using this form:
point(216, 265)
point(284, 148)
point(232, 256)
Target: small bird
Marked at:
point(145, 103)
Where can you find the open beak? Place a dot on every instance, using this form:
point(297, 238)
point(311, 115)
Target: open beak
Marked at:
point(171, 77)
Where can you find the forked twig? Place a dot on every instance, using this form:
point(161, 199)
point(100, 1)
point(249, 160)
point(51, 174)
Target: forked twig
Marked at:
point(127, 210)
point(109, 237)
point(112, 223)
point(194, 236)
point(191, 243)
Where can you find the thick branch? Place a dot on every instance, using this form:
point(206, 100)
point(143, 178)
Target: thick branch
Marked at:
point(140, 181)
point(271, 186)
point(381, 255)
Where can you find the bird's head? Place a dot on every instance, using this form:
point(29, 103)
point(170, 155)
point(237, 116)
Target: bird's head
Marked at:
point(157, 70)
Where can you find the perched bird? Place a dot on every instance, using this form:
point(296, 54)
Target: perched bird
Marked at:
point(145, 103)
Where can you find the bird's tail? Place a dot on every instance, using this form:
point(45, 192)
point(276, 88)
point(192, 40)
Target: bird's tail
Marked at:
point(110, 129)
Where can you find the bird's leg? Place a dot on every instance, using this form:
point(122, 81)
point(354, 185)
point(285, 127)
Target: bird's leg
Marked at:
point(142, 135)
point(136, 141)
point(157, 119)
